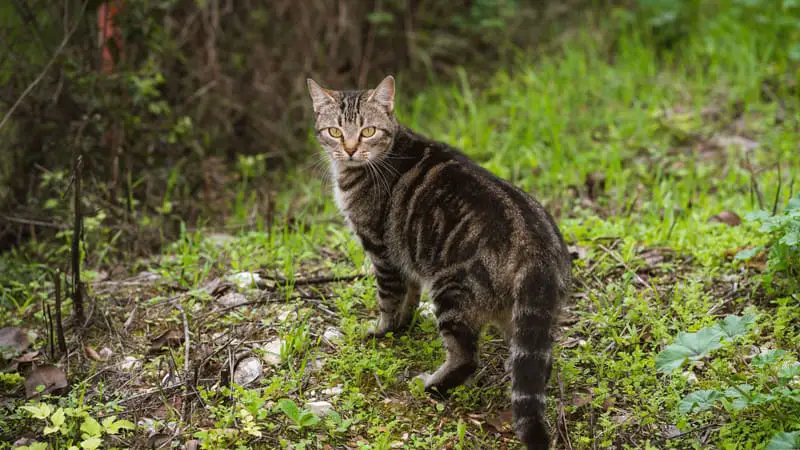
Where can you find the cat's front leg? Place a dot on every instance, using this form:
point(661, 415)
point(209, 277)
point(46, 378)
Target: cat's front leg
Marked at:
point(396, 299)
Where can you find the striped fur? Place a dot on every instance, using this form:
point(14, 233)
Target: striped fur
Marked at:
point(429, 217)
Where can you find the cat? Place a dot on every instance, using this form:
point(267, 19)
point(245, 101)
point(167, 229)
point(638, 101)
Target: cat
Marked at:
point(430, 218)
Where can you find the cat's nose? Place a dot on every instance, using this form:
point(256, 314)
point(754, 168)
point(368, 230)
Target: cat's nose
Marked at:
point(350, 150)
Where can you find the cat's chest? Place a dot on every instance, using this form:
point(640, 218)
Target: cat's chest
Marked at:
point(361, 210)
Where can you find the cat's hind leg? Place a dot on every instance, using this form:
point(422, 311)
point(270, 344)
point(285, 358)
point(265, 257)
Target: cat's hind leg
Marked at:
point(460, 338)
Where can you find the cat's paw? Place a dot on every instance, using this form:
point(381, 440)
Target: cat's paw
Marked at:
point(375, 332)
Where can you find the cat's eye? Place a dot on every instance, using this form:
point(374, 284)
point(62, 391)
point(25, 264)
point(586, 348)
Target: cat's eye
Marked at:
point(335, 132)
point(368, 132)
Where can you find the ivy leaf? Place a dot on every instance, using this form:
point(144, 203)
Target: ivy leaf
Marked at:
point(91, 427)
point(785, 441)
point(117, 425)
point(58, 418)
point(91, 443)
point(733, 325)
point(692, 346)
point(699, 401)
point(41, 411)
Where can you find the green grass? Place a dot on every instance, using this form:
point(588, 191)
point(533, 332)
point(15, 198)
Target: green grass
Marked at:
point(652, 123)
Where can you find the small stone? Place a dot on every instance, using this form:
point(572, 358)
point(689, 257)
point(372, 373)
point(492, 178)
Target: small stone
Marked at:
point(148, 424)
point(272, 352)
point(247, 371)
point(332, 334)
point(129, 363)
point(105, 353)
point(691, 378)
point(232, 300)
point(285, 314)
point(319, 408)
point(245, 280)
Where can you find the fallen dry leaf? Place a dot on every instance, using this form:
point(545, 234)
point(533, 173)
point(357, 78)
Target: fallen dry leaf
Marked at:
point(27, 357)
point(501, 421)
point(13, 340)
point(727, 217)
point(47, 375)
point(581, 399)
point(92, 354)
point(171, 338)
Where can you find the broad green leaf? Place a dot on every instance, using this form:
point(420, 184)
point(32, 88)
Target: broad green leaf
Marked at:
point(91, 427)
point(785, 441)
point(767, 358)
point(290, 409)
point(50, 430)
point(692, 346)
point(747, 254)
point(309, 419)
point(791, 238)
point(91, 443)
point(738, 401)
point(699, 401)
point(733, 325)
point(789, 372)
point(58, 417)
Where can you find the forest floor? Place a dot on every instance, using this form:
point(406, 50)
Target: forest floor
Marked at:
point(650, 163)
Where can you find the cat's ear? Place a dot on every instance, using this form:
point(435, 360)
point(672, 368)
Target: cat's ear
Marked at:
point(384, 93)
point(319, 95)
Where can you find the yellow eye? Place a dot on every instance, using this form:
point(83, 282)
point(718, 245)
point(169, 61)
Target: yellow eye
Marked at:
point(367, 132)
point(335, 132)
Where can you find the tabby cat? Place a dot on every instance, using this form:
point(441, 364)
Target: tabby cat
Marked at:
point(430, 218)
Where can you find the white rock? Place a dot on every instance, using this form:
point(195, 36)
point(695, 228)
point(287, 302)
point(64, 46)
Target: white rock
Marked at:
point(319, 408)
point(148, 424)
point(105, 353)
point(332, 334)
point(691, 378)
point(272, 352)
point(245, 280)
point(129, 363)
point(247, 371)
point(286, 313)
point(232, 299)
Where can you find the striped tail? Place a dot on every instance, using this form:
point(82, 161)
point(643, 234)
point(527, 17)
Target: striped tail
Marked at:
point(531, 360)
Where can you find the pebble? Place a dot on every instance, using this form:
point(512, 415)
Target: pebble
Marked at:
point(247, 371)
point(272, 351)
point(320, 408)
point(232, 300)
point(332, 334)
point(245, 280)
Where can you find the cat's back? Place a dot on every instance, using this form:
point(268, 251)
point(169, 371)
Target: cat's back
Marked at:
point(447, 209)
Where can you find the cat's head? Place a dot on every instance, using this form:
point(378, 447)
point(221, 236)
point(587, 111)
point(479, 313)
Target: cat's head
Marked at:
point(354, 127)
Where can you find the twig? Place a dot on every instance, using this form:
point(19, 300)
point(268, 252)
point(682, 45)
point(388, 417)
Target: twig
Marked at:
point(77, 293)
point(562, 417)
point(62, 342)
point(24, 221)
point(311, 280)
point(187, 341)
point(46, 69)
point(777, 192)
point(753, 182)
